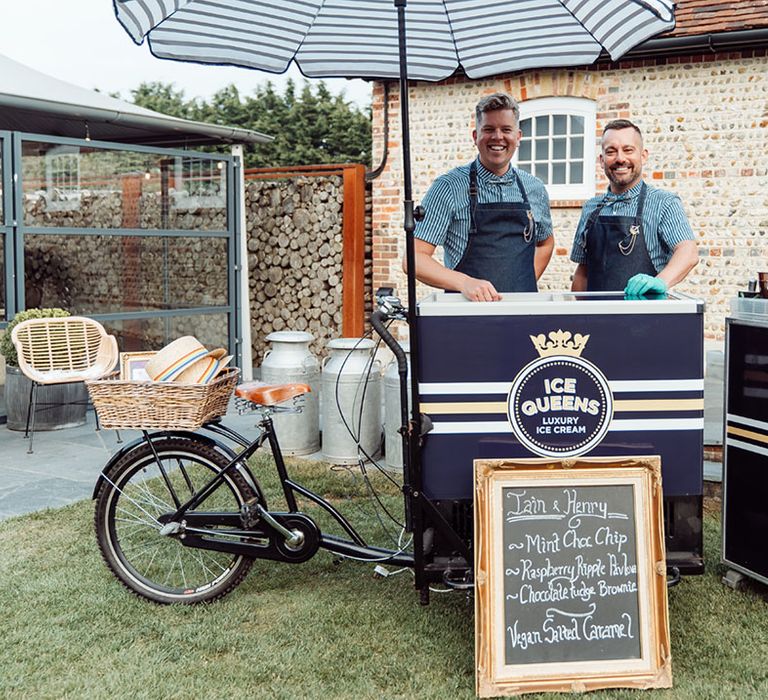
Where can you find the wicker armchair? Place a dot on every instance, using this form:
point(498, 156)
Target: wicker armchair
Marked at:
point(61, 351)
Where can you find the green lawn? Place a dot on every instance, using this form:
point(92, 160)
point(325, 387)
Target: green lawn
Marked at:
point(323, 629)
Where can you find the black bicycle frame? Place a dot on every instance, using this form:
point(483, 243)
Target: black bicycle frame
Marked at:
point(355, 547)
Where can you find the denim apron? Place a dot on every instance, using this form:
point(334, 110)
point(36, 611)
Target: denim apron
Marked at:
point(615, 248)
point(501, 241)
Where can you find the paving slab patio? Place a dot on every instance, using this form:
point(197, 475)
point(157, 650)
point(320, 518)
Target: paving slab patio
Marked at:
point(65, 463)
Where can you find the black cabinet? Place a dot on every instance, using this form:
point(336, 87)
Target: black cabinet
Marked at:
point(745, 455)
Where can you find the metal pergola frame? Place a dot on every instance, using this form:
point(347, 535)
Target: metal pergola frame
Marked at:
point(14, 231)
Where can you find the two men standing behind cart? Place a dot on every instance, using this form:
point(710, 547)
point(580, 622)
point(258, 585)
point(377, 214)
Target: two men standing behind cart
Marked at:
point(634, 238)
point(494, 223)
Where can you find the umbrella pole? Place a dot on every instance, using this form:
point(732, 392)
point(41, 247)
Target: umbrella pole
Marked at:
point(412, 466)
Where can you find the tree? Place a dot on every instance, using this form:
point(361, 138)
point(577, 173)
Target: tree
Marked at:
point(163, 97)
point(309, 127)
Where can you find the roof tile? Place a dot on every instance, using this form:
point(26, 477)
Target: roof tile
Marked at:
point(709, 16)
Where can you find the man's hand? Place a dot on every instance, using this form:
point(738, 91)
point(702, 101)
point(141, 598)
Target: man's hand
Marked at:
point(645, 284)
point(479, 290)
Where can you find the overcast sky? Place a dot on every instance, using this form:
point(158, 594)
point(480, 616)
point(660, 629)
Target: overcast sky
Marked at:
point(82, 42)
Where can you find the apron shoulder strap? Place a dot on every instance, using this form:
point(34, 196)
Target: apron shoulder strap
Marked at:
point(640, 206)
point(472, 196)
point(592, 218)
point(523, 193)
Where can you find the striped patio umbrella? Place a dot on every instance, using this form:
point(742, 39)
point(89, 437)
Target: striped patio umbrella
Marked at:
point(360, 39)
point(394, 39)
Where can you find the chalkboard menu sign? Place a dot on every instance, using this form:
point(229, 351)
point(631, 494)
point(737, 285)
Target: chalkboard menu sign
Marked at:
point(570, 575)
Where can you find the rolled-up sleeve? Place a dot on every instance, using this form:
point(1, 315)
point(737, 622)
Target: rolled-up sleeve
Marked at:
point(673, 224)
point(542, 214)
point(439, 206)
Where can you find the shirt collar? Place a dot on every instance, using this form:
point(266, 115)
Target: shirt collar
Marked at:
point(627, 196)
point(486, 175)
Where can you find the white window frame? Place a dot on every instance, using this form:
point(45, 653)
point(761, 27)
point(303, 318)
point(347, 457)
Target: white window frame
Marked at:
point(571, 106)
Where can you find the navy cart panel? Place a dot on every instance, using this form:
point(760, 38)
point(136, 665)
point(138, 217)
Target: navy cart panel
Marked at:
point(561, 375)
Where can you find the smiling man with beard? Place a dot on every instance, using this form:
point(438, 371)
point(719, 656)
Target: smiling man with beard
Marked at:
point(635, 237)
point(492, 219)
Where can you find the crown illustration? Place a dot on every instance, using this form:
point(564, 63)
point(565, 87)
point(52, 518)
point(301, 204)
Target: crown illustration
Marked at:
point(559, 342)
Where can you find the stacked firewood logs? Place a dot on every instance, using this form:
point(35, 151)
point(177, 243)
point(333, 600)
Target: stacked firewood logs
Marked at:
point(294, 240)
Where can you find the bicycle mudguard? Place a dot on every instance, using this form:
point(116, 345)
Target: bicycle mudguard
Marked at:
point(228, 452)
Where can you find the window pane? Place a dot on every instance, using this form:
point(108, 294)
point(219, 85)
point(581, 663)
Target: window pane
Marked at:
point(542, 149)
point(524, 152)
point(527, 167)
point(577, 147)
point(108, 274)
point(83, 187)
point(542, 126)
point(577, 173)
point(559, 123)
point(558, 149)
point(154, 333)
point(541, 171)
point(525, 127)
point(558, 174)
point(577, 125)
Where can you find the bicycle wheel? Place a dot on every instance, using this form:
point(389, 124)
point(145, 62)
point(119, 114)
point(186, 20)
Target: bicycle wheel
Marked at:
point(132, 498)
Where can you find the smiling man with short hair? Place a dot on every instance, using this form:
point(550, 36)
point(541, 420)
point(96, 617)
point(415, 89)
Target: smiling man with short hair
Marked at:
point(492, 219)
point(634, 238)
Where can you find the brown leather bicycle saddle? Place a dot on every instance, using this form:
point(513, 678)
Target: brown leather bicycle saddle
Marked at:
point(270, 394)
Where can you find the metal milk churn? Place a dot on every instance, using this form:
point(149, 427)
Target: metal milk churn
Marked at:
point(290, 361)
point(393, 441)
point(351, 382)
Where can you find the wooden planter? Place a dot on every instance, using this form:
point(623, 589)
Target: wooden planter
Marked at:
point(58, 405)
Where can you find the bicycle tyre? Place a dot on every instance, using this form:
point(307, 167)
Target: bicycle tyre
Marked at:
point(131, 497)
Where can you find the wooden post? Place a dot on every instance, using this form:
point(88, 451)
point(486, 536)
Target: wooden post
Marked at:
point(353, 230)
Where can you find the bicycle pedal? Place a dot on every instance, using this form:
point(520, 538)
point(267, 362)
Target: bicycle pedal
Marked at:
point(249, 513)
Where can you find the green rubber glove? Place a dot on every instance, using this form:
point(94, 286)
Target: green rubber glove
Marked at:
point(645, 284)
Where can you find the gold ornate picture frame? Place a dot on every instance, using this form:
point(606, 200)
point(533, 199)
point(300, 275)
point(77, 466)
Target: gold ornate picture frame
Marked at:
point(570, 588)
point(132, 365)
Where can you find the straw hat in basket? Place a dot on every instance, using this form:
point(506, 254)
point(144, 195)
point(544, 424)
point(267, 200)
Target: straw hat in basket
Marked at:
point(204, 370)
point(188, 357)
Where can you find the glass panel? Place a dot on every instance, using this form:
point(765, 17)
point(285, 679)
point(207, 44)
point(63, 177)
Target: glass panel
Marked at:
point(558, 174)
point(154, 333)
point(542, 149)
point(577, 125)
point(524, 152)
point(542, 126)
point(108, 274)
point(84, 187)
point(558, 149)
point(541, 171)
point(559, 123)
point(525, 127)
point(577, 173)
point(577, 147)
point(527, 167)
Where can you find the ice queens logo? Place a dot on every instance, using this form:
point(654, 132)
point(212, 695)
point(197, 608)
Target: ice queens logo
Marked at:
point(560, 405)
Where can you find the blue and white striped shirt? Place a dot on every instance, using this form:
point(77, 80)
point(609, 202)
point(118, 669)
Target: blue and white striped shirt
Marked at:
point(447, 206)
point(664, 221)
